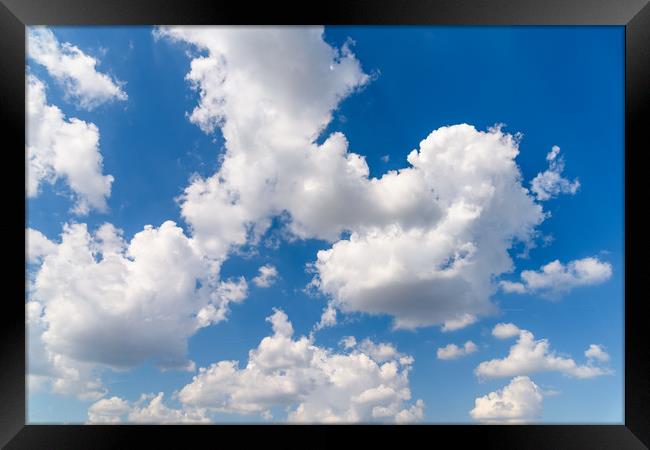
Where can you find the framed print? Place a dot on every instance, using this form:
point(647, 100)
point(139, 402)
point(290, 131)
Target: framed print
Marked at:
point(406, 220)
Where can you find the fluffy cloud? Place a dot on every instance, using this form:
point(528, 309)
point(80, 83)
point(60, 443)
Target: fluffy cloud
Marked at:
point(440, 270)
point(555, 278)
point(149, 409)
point(108, 410)
point(38, 245)
point(452, 351)
point(327, 318)
point(518, 402)
point(550, 183)
point(505, 330)
point(63, 148)
point(52, 372)
point(461, 321)
point(267, 276)
point(271, 90)
point(113, 303)
point(597, 352)
point(73, 69)
point(348, 342)
point(425, 241)
point(314, 384)
point(528, 356)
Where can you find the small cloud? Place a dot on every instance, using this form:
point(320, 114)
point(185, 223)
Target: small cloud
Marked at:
point(550, 183)
point(348, 342)
point(505, 330)
point(462, 321)
point(518, 402)
point(556, 278)
point(597, 352)
point(452, 351)
point(268, 274)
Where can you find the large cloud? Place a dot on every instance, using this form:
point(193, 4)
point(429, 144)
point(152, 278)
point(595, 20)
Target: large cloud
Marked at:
point(518, 402)
point(426, 241)
point(529, 356)
point(271, 90)
point(71, 67)
point(367, 383)
point(100, 300)
point(63, 148)
point(441, 270)
point(555, 278)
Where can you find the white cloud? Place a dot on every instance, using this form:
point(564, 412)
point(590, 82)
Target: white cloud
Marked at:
point(550, 183)
point(461, 321)
point(271, 90)
point(156, 412)
point(73, 69)
point(597, 352)
point(505, 330)
point(348, 342)
point(518, 402)
point(440, 270)
point(452, 351)
point(63, 148)
point(226, 292)
point(415, 413)
point(108, 410)
point(268, 274)
point(148, 409)
point(380, 352)
point(426, 241)
point(314, 384)
point(52, 372)
point(38, 245)
point(529, 356)
point(112, 303)
point(327, 318)
point(555, 278)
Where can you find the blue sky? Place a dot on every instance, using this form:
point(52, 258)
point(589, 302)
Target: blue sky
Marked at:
point(558, 86)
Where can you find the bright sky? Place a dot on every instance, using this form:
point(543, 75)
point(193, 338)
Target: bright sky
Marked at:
point(339, 224)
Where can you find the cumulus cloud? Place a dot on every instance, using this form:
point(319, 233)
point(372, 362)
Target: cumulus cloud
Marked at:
point(529, 356)
point(460, 321)
point(452, 351)
point(108, 410)
point(52, 372)
point(314, 384)
point(148, 409)
point(327, 318)
point(550, 183)
point(73, 69)
point(505, 330)
point(271, 91)
point(38, 245)
point(425, 241)
point(348, 342)
point(63, 148)
point(597, 352)
point(268, 274)
point(111, 303)
point(556, 278)
point(441, 271)
point(518, 402)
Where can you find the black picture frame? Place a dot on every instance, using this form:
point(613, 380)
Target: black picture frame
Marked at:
point(633, 14)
